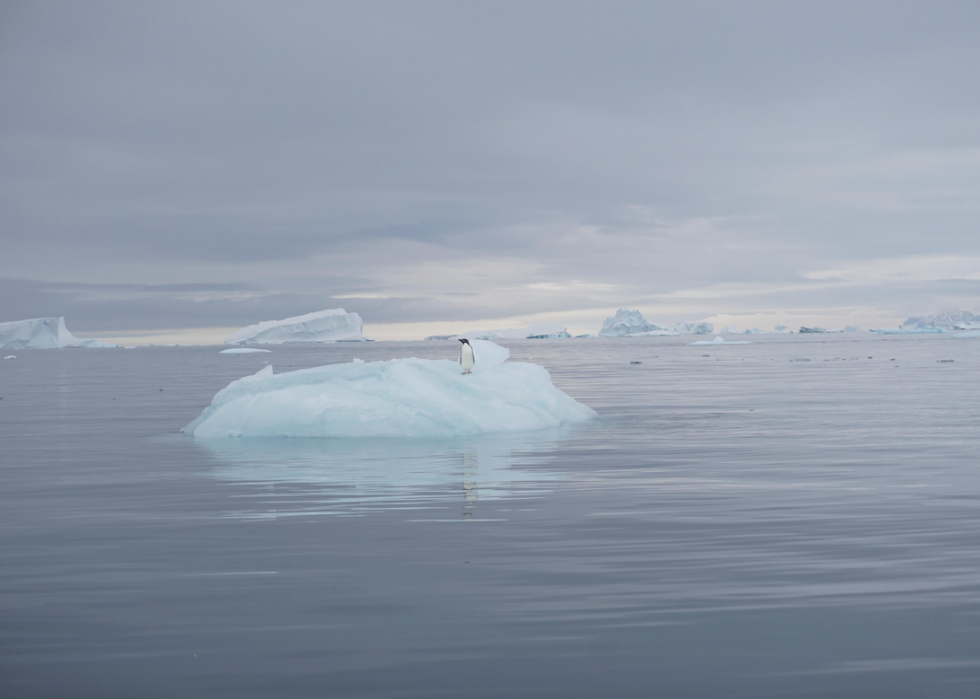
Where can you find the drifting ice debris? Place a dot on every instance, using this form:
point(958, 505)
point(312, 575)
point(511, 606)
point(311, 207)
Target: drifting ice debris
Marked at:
point(11, 356)
point(720, 341)
point(414, 398)
point(243, 350)
point(41, 333)
point(334, 325)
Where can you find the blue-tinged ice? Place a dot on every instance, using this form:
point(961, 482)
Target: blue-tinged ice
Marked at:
point(415, 398)
point(967, 336)
point(243, 350)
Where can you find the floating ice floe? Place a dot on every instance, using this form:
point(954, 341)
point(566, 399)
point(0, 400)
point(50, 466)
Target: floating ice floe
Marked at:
point(334, 325)
point(967, 336)
point(415, 398)
point(11, 356)
point(243, 350)
point(910, 331)
point(720, 341)
point(41, 333)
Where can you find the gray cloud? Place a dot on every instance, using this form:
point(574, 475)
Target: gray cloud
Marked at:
point(444, 161)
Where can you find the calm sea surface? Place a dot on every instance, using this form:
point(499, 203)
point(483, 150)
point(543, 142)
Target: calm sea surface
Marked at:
point(738, 522)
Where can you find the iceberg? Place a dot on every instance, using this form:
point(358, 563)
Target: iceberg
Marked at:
point(41, 333)
point(910, 331)
point(686, 327)
point(243, 350)
point(414, 398)
point(948, 320)
point(729, 330)
point(11, 356)
point(333, 325)
point(532, 332)
point(720, 341)
point(628, 322)
point(967, 336)
point(804, 330)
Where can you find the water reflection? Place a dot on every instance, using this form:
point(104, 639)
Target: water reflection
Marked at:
point(347, 477)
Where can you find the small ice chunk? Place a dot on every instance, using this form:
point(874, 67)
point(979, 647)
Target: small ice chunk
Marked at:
point(243, 350)
point(11, 356)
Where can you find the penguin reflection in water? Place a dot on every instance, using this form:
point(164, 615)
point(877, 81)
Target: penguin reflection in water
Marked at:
point(466, 357)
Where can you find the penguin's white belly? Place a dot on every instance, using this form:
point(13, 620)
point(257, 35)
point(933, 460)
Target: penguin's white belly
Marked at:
point(466, 358)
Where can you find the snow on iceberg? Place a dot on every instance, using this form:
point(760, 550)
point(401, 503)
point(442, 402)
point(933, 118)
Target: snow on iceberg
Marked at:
point(720, 341)
point(416, 398)
point(41, 333)
point(243, 350)
point(334, 325)
point(967, 336)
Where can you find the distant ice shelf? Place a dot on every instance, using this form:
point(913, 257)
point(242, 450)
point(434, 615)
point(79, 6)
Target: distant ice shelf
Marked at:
point(41, 333)
point(413, 398)
point(720, 341)
point(910, 331)
point(333, 325)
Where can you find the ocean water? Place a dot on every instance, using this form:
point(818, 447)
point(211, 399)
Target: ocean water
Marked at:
point(795, 517)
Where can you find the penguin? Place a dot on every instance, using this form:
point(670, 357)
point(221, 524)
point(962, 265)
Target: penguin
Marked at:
point(466, 357)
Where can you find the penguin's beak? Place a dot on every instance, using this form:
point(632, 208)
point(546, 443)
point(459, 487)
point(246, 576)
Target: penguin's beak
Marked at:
point(462, 340)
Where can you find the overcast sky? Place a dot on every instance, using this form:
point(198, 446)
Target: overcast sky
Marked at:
point(188, 165)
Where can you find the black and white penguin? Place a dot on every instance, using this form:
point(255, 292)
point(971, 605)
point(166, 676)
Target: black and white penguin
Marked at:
point(466, 357)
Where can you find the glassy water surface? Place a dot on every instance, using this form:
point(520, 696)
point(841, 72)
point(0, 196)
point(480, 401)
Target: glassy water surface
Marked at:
point(798, 516)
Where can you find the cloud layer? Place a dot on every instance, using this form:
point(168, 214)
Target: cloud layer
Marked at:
point(215, 164)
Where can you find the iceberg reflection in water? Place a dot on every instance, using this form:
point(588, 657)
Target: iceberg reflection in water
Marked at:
point(349, 477)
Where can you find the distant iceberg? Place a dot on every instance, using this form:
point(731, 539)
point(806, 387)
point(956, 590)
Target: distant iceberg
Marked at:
point(334, 325)
point(415, 398)
point(629, 322)
point(686, 327)
point(243, 350)
point(41, 333)
point(967, 336)
point(720, 341)
point(804, 330)
point(948, 320)
point(910, 331)
point(531, 332)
